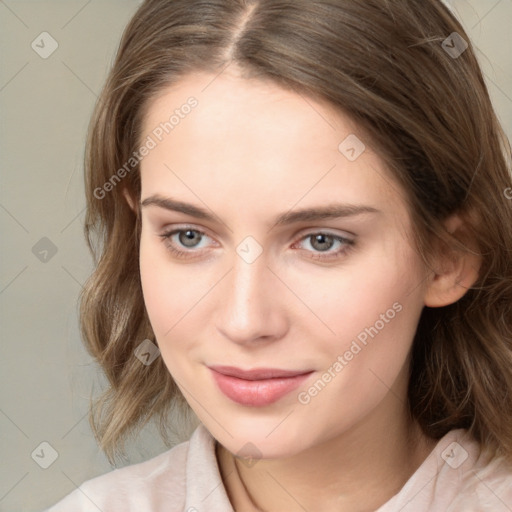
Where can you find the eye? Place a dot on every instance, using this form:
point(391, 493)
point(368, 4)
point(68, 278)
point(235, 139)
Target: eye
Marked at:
point(187, 241)
point(184, 242)
point(321, 244)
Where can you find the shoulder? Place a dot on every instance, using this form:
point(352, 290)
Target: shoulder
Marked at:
point(486, 486)
point(457, 476)
point(159, 484)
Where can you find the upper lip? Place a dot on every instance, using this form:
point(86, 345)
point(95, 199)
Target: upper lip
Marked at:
point(257, 373)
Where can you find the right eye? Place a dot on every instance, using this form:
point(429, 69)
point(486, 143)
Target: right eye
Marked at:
point(184, 242)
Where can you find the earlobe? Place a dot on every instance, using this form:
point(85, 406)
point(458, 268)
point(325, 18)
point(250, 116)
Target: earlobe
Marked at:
point(456, 271)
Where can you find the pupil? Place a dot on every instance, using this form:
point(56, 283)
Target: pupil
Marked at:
point(188, 239)
point(322, 240)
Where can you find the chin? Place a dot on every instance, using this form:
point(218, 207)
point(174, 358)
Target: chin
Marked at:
point(265, 439)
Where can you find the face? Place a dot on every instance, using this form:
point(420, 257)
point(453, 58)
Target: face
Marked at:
point(236, 272)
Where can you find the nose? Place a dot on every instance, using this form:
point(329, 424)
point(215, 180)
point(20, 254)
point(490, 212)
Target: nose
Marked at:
point(250, 308)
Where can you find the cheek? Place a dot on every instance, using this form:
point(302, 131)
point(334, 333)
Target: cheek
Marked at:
point(372, 310)
point(177, 298)
point(167, 288)
point(378, 290)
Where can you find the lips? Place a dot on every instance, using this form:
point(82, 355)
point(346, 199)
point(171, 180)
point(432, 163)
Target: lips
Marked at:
point(257, 373)
point(258, 387)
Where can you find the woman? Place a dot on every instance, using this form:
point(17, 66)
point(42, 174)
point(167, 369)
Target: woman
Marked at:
point(305, 238)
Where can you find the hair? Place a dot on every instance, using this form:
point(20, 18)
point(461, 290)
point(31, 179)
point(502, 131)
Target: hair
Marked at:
point(427, 114)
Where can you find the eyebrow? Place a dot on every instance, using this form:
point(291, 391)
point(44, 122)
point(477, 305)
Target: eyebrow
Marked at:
point(332, 211)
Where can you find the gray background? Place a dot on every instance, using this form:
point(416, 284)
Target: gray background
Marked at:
point(47, 377)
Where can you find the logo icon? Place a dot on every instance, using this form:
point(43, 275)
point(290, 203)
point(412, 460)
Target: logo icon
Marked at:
point(147, 352)
point(249, 454)
point(45, 455)
point(454, 45)
point(454, 455)
point(249, 249)
point(351, 147)
point(44, 250)
point(44, 45)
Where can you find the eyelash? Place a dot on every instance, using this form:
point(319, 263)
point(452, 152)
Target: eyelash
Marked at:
point(347, 243)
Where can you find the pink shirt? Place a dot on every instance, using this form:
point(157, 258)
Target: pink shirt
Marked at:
point(455, 477)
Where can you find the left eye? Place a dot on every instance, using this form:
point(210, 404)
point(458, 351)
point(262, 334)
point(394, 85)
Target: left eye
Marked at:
point(323, 242)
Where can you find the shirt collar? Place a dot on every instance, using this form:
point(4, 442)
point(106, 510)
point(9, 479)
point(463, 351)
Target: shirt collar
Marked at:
point(205, 491)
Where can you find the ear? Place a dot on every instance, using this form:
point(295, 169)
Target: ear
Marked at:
point(129, 199)
point(455, 271)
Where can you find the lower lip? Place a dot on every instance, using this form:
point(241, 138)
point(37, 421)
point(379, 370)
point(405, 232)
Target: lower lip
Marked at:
point(257, 393)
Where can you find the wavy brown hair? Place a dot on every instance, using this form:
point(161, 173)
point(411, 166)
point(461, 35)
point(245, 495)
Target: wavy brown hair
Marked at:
point(426, 112)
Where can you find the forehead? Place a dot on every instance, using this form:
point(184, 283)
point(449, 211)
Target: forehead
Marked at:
point(254, 139)
point(229, 102)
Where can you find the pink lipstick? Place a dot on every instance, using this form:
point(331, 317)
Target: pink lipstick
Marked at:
point(258, 387)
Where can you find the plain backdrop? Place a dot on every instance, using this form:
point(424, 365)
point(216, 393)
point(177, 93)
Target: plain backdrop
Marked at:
point(46, 99)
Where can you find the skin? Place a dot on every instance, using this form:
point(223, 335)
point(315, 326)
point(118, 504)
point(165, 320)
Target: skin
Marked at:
point(248, 152)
